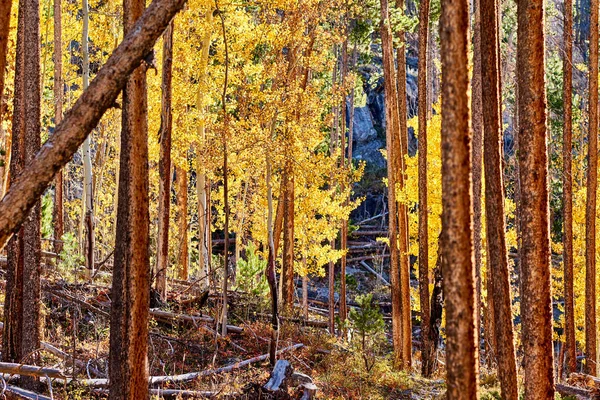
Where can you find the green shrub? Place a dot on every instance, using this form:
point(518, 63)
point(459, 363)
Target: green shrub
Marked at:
point(251, 273)
point(368, 329)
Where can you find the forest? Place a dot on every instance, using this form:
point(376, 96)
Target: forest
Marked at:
point(299, 199)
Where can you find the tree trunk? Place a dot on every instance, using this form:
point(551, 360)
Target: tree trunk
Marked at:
point(5, 10)
point(128, 358)
point(536, 310)
point(88, 195)
point(400, 169)
point(22, 301)
point(494, 195)
point(164, 165)
point(13, 302)
point(476, 160)
point(182, 214)
point(288, 236)
point(592, 188)
point(203, 205)
point(84, 116)
point(58, 216)
point(457, 224)
point(426, 353)
point(270, 272)
point(392, 129)
point(571, 357)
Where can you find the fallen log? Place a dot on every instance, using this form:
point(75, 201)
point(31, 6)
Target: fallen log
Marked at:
point(377, 274)
point(167, 316)
point(77, 300)
point(15, 392)
point(588, 379)
point(579, 393)
point(154, 380)
point(30, 370)
point(307, 322)
point(370, 233)
point(68, 358)
point(364, 258)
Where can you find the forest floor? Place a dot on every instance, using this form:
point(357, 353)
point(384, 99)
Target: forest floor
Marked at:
point(76, 322)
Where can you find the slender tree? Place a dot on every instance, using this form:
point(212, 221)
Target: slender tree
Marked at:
point(476, 160)
point(164, 164)
point(457, 223)
point(22, 302)
point(201, 180)
point(182, 221)
point(592, 188)
point(400, 170)
point(288, 235)
point(392, 128)
point(88, 195)
point(494, 195)
point(427, 352)
point(58, 215)
point(130, 295)
point(536, 311)
point(571, 358)
point(13, 301)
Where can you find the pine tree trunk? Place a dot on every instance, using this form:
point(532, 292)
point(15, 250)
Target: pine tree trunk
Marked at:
point(494, 195)
point(58, 215)
point(164, 165)
point(476, 160)
point(592, 188)
point(571, 357)
point(457, 223)
point(13, 301)
point(536, 310)
point(130, 295)
point(182, 214)
point(427, 354)
point(392, 129)
point(400, 169)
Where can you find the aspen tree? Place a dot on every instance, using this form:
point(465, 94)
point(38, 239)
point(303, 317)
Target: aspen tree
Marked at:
point(164, 164)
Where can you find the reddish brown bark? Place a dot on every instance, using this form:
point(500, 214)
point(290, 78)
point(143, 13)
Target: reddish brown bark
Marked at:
point(22, 302)
point(182, 214)
point(536, 312)
point(571, 357)
point(392, 129)
point(427, 354)
point(592, 188)
point(13, 302)
point(457, 224)
point(164, 165)
point(84, 116)
point(476, 160)
point(494, 195)
point(400, 170)
point(58, 216)
point(130, 295)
